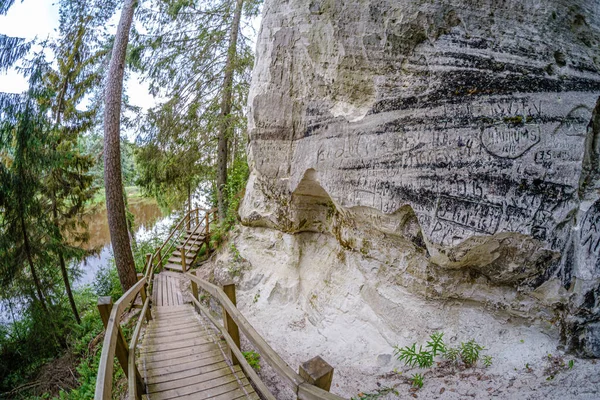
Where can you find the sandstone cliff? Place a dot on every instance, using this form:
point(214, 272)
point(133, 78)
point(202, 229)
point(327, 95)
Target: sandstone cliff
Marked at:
point(451, 147)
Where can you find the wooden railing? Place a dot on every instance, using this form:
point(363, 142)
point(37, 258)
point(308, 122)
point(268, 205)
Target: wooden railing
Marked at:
point(164, 251)
point(302, 384)
point(233, 321)
point(114, 340)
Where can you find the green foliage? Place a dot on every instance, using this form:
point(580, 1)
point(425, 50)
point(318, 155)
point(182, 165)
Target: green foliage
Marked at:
point(412, 357)
point(452, 354)
point(487, 361)
point(378, 393)
point(253, 359)
point(436, 344)
point(469, 352)
point(571, 364)
point(417, 380)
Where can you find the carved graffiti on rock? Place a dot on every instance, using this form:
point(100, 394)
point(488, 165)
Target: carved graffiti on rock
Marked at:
point(510, 142)
point(477, 216)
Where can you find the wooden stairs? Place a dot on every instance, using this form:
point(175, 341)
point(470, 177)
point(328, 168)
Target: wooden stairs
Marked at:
point(192, 242)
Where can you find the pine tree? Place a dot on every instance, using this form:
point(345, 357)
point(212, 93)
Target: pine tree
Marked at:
point(115, 206)
point(68, 183)
point(185, 54)
point(23, 151)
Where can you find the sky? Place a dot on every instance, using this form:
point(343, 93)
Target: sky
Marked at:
point(39, 18)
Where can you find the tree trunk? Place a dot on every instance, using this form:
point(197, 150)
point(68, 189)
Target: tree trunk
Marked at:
point(226, 111)
point(61, 259)
point(36, 280)
point(115, 206)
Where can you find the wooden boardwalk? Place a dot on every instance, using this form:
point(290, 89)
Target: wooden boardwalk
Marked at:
point(185, 352)
point(181, 357)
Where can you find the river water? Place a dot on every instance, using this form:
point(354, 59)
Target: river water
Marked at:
point(149, 222)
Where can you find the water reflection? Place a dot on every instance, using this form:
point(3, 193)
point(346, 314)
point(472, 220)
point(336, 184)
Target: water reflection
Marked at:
point(149, 221)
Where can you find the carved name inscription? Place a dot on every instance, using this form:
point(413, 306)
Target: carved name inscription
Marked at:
point(510, 142)
point(477, 216)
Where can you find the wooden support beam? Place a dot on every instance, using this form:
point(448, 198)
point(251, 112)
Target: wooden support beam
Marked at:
point(144, 291)
point(194, 286)
point(230, 324)
point(183, 266)
point(317, 372)
point(105, 306)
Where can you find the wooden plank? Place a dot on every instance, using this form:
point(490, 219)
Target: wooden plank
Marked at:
point(154, 293)
point(183, 356)
point(238, 393)
point(159, 288)
point(204, 390)
point(173, 295)
point(262, 388)
point(261, 345)
point(309, 392)
point(170, 337)
point(175, 368)
point(185, 373)
point(183, 331)
point(152, 348)
point(173, 267)
point(183, 381)
point(160, 329)
point(172, 312)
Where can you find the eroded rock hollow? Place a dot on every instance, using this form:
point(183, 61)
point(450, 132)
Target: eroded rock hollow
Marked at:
point(454, 142)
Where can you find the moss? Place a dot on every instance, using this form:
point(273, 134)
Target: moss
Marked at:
point(516, 120)
point(366, 246)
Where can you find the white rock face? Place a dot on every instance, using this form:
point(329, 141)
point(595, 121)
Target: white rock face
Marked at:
point(452, 143)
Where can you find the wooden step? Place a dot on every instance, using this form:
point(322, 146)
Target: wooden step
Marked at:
point(188, 254)
point(195, 235)
point(177, 260)
point(188, 247)
point(191, 242)
point(174, 267)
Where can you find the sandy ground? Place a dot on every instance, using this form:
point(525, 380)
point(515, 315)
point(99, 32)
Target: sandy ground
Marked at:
point(344, 324)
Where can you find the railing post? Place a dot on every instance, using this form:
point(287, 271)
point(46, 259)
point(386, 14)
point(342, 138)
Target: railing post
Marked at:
point(144, 291)
point(317, 372)
point(207, 223)
point(229, 323)
point(183, 266)
point(194, 288)
point(159, 261)
point(188, 221)
point(105, 306)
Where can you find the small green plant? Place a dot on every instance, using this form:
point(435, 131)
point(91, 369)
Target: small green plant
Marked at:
point(571, 364)
point(256, 297)
point(452, 354)
point(253, 359)
point(417, 380)
point(376, 394)
point(469, 352)
point(436, 344)
point(412, 357)
point(235, 253)
point(487, 361)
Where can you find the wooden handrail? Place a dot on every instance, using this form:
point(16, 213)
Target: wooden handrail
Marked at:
point(111, 335)
point(262, 388)
point(159, 255)
point(304, 390)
